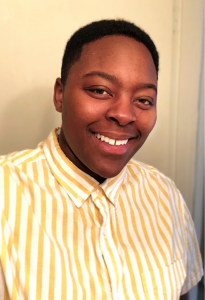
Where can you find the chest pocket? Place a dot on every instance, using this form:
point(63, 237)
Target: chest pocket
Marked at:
point(165, 283)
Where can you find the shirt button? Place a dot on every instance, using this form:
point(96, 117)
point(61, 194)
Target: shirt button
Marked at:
point(105, 231)
point(79, 199)
point(97, 192)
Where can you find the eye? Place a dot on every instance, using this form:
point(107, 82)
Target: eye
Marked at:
point(145, 101)
point(99, 91)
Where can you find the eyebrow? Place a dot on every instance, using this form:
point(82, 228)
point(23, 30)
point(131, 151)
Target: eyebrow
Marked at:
point(144, 86)
point(115, 80)
point(109, 77)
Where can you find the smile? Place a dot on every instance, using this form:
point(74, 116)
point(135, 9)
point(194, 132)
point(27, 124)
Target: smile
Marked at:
point(110, 141)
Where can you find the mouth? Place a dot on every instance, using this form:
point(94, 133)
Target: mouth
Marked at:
point(110, 141)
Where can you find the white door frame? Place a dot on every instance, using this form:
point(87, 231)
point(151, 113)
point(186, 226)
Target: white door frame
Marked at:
point(186, 60)
point(187, 126)
point(199, 178)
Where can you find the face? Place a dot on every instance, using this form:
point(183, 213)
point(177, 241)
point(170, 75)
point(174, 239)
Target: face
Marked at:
point(108, 105)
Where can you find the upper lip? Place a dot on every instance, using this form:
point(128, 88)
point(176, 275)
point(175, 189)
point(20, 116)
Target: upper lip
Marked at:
point(116, 136)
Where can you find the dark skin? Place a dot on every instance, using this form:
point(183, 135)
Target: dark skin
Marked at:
point(112, 91)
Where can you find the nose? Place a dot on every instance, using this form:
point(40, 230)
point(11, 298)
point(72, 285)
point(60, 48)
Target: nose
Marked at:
point(122, 111)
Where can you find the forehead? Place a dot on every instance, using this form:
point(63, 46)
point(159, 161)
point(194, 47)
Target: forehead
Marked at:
point(117, 55)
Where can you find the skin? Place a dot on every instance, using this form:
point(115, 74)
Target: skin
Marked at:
point(111, 90)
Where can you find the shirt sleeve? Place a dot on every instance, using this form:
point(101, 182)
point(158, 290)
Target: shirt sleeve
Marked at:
point(193, 265)
point(3, 288)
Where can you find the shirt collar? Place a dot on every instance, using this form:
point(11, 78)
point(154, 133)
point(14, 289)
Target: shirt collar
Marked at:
point(111, 186)
point(77, 184)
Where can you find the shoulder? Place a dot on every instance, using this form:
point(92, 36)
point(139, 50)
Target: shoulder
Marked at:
point(153, 184)
point(20, 158)
point(17, 164)
point(146, 172)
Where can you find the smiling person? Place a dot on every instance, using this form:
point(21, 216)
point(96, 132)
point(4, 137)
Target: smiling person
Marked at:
point(79, 218)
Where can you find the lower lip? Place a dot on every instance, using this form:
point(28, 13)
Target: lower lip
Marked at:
point(112, 149)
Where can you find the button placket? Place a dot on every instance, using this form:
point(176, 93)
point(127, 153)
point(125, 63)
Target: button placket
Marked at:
point(103, 213)
point(115, 203)
point(106, 239)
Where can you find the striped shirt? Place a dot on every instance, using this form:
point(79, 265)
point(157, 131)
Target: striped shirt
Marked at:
point(65, 236)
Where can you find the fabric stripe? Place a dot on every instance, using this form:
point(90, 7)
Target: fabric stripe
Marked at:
point(65, 236)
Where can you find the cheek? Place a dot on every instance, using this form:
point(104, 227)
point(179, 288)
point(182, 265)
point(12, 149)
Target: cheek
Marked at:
point(147, 122)
point(80, 106)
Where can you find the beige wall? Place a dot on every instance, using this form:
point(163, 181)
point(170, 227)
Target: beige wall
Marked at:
point(33, 36)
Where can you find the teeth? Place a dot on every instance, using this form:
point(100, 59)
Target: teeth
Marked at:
point(110, 141)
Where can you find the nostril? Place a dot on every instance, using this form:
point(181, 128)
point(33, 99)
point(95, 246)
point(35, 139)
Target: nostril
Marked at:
point(113, 119)
point(122, 121)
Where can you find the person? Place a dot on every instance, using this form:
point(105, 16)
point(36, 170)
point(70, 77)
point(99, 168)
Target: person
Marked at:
point(79, 218)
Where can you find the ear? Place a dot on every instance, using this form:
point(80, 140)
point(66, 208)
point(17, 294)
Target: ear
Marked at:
point(58, 95)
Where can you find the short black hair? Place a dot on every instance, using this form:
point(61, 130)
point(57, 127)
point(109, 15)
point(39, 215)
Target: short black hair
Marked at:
point(97, 30)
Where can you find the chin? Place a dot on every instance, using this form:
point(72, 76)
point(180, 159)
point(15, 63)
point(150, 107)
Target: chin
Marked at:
point(109, 172)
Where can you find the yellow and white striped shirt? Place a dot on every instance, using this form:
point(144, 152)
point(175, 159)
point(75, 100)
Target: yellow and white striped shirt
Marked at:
point(65, 236)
